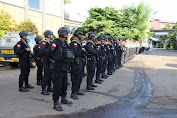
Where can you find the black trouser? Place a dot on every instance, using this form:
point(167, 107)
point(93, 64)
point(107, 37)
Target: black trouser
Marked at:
point(99, 67)
point(105, 63)
point(119, 58)
point(90, 72)
point(109, 64)
point(25, 70)
point(60, 82)
point(39, 70)
point(113, 62)
point(46, 81)
point(76, 75)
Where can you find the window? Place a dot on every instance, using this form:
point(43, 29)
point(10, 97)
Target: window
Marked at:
point(35, 4)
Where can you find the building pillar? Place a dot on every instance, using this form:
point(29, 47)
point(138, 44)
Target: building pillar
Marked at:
point(43, 16)
point(62, 13)
point(26, 8)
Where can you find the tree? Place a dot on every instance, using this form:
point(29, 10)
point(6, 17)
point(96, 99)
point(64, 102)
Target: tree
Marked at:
point(28, 26)
point(126, 22)
point(7, 23)
point(67, 1)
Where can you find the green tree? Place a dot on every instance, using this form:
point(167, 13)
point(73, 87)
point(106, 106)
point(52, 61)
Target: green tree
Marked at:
point(7, 23)
point(28, 26)
point(67, 1)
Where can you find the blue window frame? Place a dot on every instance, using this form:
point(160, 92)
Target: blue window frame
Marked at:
point(35, 4)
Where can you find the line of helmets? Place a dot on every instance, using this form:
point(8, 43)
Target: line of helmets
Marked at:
point(63, 30)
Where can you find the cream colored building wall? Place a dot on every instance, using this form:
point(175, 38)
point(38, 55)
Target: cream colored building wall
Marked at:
point(36, 17)
point(53, 23)
point(16, 12)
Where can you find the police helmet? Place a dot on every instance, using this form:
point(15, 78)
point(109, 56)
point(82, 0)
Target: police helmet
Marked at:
point(54, 37)
point(77, 32)
point(99, 38)
point(91, 34)
point(110, 38)
point(72, 38)
point(38, 39)
point(82, 39)
point(106, 37)
point(23, 33)
point(48, 33)
point(115, 38)
point(63, 31)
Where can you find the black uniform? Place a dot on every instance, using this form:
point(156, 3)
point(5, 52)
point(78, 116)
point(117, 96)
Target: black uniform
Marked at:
point(57, 52)
point(38, 60)
point(115, 53)
point(24, 61)
point(91, 62)
point(100, 54)
point(105, 60)
point(76, 65)
point(110, 57)
point(47, 70)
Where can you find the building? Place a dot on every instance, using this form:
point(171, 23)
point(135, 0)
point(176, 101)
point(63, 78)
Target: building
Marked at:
point(158, 25)
point(46, 14)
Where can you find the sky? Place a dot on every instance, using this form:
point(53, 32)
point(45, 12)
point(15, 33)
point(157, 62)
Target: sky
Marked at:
point(166, 9)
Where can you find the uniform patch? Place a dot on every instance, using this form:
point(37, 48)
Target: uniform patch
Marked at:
point(99, 46)
point(92, 46)
point(18, 45)
point(115, 44)
point(44, 43)
point(108, 46)
point(75, 45)
point(39, 47)
point(54, 45)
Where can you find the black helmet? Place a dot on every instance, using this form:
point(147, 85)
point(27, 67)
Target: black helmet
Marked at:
point(120, 39)
point(82, 39)
point(77, 32)
point(63, 31)
point(48, 33)
point(91, 34)
point(106, 37)
point(38, 39)
point(99, 38)
point(110, 38)
point(115, 38)
point(23, 33)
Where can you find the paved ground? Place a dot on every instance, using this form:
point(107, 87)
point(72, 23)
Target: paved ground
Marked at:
point(144, 87)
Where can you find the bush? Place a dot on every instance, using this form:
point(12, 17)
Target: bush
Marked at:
point(28, 26)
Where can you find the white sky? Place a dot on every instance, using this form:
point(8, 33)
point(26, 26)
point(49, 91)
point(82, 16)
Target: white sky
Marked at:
point(167, 9)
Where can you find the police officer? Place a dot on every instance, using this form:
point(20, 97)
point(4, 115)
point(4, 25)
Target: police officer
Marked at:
point(77, 64)
point(115, 54)
point(23, 52)
point(91, 60)
point(120, 52)
point(110, 55)
point(105, 57)
point(46, 82)
point(99, 57)
point(58, 52)
point(38, 59)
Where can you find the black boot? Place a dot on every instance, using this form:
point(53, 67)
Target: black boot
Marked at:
point(22, 89)
point(29, 86)
point(44, 92)
point(100, 80)
point(93, 85)
point(79, 92)
point(109, 73)
point(57, 106)
point(90, 88)
point(74, 96)
point(38, 83)
point(97, 81)
point(50, 89)
point(65, 101)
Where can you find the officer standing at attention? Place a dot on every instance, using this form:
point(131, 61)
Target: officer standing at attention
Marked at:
point(46, 82)
point(38, 59)
point(77, 64)
point(91, 61)
point(105, 57)
point(100, 54)
point(110, 56)
point(58, 51)
point(23, 52)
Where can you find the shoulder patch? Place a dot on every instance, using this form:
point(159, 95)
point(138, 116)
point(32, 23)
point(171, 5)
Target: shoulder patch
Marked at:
point(39, 46)
point(92, 46)
point(18, 45)
point(43, 43)
point(99, 46)
point(54, 45)
point(75, 45)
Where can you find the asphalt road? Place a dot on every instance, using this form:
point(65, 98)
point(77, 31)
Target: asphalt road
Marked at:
point(145, 87)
